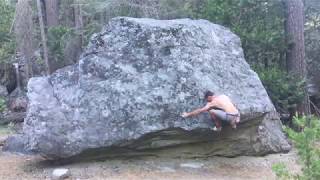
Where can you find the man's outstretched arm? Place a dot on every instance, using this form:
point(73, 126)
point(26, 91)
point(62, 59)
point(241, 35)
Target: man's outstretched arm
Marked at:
point(195, 112)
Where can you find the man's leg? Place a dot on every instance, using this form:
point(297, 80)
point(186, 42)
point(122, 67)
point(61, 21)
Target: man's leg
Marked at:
point(234, 120)
point(216, 121)
point(220, 115)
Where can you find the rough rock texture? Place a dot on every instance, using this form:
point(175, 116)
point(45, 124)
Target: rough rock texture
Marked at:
point(130, 86)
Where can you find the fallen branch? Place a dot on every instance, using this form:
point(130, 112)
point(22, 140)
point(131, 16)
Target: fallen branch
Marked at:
point(315, 108)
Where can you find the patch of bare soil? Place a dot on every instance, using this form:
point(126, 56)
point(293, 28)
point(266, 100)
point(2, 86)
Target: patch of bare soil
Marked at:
point(18, 167)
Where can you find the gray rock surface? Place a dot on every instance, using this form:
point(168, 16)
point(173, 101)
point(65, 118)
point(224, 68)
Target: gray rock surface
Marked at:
point(193, 165)
point(137, 76)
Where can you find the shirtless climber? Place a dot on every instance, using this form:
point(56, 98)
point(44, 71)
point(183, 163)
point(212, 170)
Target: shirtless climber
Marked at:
point(220, 109)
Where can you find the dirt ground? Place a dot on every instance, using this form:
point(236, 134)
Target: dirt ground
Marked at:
point(18, 167)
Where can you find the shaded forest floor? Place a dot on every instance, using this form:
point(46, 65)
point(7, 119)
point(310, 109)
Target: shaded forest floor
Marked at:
point(34, 167)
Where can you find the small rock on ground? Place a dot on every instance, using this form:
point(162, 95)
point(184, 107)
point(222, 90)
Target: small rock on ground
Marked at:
point(60, 174)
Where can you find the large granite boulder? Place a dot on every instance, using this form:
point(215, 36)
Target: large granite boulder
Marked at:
point(137, 76)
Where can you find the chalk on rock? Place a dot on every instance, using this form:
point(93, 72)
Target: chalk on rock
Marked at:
point(60, 173)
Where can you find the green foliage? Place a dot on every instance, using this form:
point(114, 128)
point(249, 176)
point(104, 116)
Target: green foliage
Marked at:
point(89, 29)
point(307, 142)
point(57, 38)
point(2, 105)
point(7, 44)
point(281, 171)
point(286, 91)
point(258, 23)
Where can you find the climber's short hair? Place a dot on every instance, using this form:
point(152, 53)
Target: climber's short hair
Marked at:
point(207, 94)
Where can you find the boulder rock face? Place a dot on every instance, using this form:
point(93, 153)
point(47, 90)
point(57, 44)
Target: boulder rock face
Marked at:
point(137, 76)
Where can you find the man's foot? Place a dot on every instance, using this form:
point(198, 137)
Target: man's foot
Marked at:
point(216, 129)
point(238, 120)
point(233, 124)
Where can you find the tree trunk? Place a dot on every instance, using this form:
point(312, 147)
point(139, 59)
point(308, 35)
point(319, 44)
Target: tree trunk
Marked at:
point(66, 10)
point(43, 38)
point(78, 18)
point(73, 48)
point(24, 30)
point(295, 57)
point(52, 12)
point(16, 66)
point(75, 45)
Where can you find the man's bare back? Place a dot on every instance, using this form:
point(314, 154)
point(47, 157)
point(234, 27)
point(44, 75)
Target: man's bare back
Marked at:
point(223, 102)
